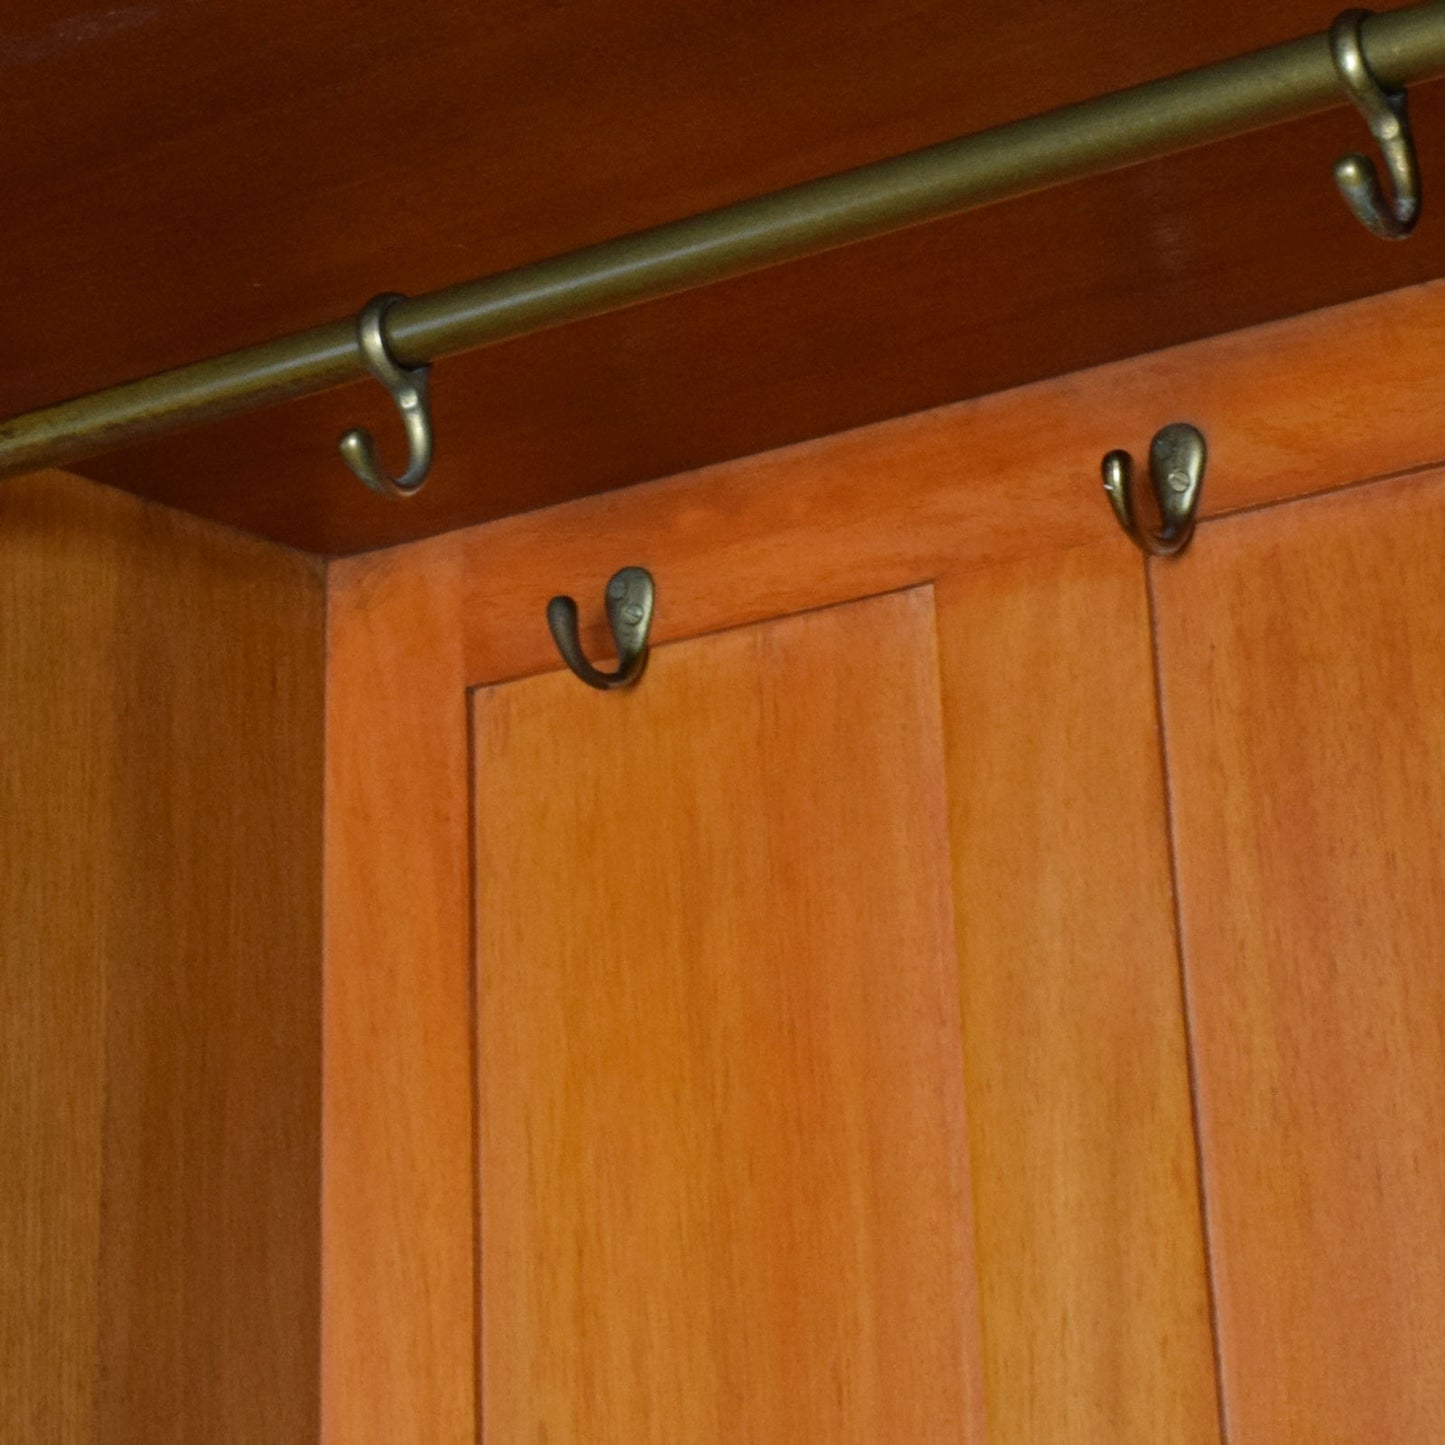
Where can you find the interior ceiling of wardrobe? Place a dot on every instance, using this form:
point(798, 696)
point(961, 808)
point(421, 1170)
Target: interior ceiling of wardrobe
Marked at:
point(184, 178)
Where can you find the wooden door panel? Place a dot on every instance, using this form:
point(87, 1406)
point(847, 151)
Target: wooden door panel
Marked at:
point(723, 1176)
point(1092, 1275)
point(1303, 666)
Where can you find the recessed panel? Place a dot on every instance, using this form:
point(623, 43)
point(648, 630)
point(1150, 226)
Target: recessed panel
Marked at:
point(723, 1173)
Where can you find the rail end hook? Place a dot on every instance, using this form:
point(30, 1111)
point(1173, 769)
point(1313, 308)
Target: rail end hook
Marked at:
point(1387, 114)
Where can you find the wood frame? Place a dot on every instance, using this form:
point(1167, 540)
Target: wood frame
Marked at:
point(410, 630)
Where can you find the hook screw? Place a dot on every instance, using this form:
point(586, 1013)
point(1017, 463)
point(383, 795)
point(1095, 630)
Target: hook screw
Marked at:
point(1176, 472)
point(631, 594)
point(408, 388)
point(1387, 114)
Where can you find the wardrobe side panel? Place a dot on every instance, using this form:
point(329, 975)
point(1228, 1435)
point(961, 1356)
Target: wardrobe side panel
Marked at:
point(161, 835)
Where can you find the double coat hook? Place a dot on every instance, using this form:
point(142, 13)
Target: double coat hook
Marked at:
point(631, 594)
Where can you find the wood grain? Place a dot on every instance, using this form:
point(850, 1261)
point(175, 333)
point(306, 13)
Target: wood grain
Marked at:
point(58, 585)
point(940, 496)
point(723, 1174)
point(398, 1349)
point(902, 503)
point(1303, 655)
point(217, 197)
point(162, 714)
point(1090, 1245)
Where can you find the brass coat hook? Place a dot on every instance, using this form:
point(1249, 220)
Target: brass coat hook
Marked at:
point(631, 594)
point(408, 388)
point(1176, 471)
point(1387, 114)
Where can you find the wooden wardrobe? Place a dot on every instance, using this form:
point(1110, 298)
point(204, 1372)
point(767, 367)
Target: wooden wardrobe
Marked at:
point(978, 987)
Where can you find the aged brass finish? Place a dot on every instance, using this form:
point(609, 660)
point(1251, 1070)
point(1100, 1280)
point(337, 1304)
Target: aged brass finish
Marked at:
point(631, 595)
point(1387, 114)
point(1278, 84)
point(1176, 472)
point(408, 388)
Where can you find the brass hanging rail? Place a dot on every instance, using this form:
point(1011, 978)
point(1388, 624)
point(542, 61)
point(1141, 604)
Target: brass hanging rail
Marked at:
point(1267, 87)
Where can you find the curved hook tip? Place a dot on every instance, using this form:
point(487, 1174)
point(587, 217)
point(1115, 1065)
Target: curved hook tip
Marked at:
point(358, 451)
point(1117, 469)
point(562, 619)
point(1359, 183)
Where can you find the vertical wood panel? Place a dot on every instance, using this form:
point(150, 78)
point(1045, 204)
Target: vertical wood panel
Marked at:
point(1092, 1276)
point(60, 572)
point(723, 1164)
point(162, 703)
point(1304, 672)
point(399, 1274)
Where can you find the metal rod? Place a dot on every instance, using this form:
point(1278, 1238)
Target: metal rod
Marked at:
point(1159, 118)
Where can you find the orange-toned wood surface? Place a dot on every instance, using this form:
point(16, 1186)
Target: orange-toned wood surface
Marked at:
point(1303, 660)
point(1090, 1248)
point(1287, 410)
point(398, 1344)
point(161, 708)
point(723, 1163)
